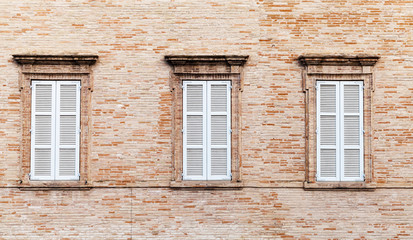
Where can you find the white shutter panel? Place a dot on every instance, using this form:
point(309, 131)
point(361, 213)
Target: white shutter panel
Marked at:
point(352, 131)
point(42, 132)
point(219, 125)
point(327, 131)
point(67, 130)
point(194, 132)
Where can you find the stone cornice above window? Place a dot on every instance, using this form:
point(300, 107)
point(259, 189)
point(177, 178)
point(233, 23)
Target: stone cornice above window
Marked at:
point(222, 63)
point(339, 60)
point(55, 59)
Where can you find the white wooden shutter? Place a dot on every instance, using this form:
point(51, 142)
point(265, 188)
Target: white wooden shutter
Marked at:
point(340, 131)
point(352, 131)
point(327, 131)
point(54, 133)
point(42, 130)
point(67, 130)
point(194, 130)
point(219, 127)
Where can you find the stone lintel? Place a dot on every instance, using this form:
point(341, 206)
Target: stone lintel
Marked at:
point(232, 60)
point(338, 60)
point(55, 59)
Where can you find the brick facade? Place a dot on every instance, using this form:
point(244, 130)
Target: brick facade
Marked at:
point(128, 188)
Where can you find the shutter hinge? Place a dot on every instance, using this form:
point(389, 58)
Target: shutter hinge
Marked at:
point(315, 86)
point(79, 130)
point(364, 131)
point(316, 131)
point(30, 175)
point(182, 130)
point(182, 86)
point(230, 130)
point(80, 87)
point(364, 176)
point(31, 86)
point(230, 175)
point(230, 86)
point(30, 130)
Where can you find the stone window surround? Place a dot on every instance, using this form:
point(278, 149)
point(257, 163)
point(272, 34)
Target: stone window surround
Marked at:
point(337, 68)
point(210, 68)
point(59, 68)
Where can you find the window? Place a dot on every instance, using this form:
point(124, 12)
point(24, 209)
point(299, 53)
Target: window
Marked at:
point(206, 113)
point(338, 92)
point(55, 130)
point(55, 96)
point(206, 132)
point(339, 131)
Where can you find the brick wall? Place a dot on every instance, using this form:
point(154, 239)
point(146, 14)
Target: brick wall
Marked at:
point(130, 134)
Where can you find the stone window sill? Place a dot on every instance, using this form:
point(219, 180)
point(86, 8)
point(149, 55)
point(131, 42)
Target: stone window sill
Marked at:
point(205, 184)
point(331, 186)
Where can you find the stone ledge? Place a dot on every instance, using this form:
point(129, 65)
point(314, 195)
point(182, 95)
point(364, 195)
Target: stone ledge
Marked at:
point(55, 59)
point(55, 188)
point(334, 186)
point(205, 184)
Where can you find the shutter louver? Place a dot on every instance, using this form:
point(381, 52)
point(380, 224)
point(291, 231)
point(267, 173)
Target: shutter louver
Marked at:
point(328, 164)
point(67, 162)
point(327, 139)
point(68, 130)
point(351, 143)
point(42, 149)
point(219, 130)
point(195, 162)
point(43, 162)
point(194, 131)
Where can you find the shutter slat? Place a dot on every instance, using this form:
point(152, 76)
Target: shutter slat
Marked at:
point(328, 130)
point(68, 130)
point(219, 130)
point(195, 162)
point(43, 130)
point(351, 130)
point(351, 99)
point(43, 97)
point(218, 98)
point(352, 163)
point(195, 98)
point(68, 98)
point(219, 161)
point(195, 130)
point(67, 162)
point(328, 163)
point(43, 166)
point(328, 94)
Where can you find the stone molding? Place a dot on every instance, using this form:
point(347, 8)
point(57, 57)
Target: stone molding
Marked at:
point(55, 59)
point(339, 60)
